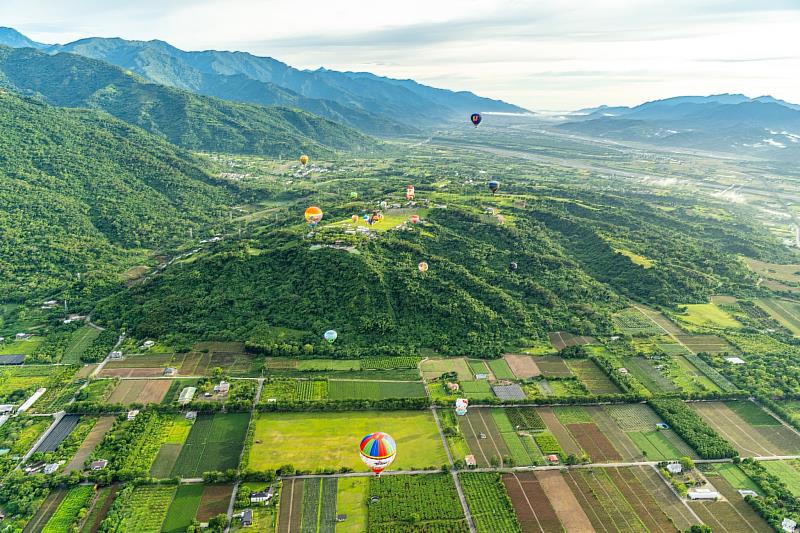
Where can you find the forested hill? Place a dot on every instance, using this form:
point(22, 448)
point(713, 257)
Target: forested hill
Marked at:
point(579, 254)
point(186, 119)
point(81, 191)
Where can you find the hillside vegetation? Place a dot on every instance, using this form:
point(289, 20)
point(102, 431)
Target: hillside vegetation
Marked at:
point(186, 119)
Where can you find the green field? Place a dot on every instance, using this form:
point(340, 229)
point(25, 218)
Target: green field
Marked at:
point(374, 390)
point(433, 368)
point(738, 479)
point(478, 366)
point(351, 500)
point(488, 502)
point(787, 471)
point(431, 499)
point(708, 316)
point(476, 390)
point(689, 378)
point(311, 441)
point(753, 414)
point(500, 369)
point(655, 446)
point(787, 313)
point(311, 365)
point(142, 509)
point(21, 347)
point(78, 343)
point(67, 512)
point(214, 443)
point(183, 508)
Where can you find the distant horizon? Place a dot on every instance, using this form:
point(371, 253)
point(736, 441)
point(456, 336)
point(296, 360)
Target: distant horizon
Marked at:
point(552, 56)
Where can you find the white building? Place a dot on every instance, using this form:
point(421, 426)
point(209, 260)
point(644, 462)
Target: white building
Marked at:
point(788, 525)
point(133, 413)
point(735, 360)
point(703, 494)
point(187, 394)
point(674, 468)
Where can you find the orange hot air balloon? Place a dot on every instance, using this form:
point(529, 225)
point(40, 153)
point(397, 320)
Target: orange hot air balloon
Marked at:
point(414, 219)
point(304, 160)
point(409, 192)
point(313, 215)
point(354, 218)
point(422, 266)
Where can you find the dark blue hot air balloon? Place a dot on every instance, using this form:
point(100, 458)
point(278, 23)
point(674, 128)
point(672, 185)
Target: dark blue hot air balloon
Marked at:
point(493, 186)
point(475, 118)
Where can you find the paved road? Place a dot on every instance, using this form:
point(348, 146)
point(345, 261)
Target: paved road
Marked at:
point(454, 473)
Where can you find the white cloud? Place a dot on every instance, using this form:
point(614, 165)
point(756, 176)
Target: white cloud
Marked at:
point(546, 54)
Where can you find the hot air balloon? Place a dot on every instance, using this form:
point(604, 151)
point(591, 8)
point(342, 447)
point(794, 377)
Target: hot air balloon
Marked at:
point(354, 195)
point(414, 219)
point(512, 266)
point(313, 215)
point(354, 218)
point(422, 266)
point(409, 192)
point(304, 160)
point(330, 336)
point(475, 118)
point(378, 450)
point(461, 406)
point(384, 205)
point(493, 186)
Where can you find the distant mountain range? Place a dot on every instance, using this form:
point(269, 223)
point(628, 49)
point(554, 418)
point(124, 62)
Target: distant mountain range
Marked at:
point(370, 103)
point(723, 122)
point(182, 117)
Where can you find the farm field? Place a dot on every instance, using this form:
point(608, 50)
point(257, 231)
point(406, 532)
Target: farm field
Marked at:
point(214, 443)
point(638, 422)
point(91, 441)
point(559, 431)
point(531, 506)
point(786, 312)
point(434, 368)
point(590, 375)
point(102, 503)
point(500, 369)
point(488, 502)
point(606, 506)
point(766, 438)
point(25, 347)
point(143, 508)
point(19, 382)
point(787, 471)
point(666, 325)
point(708, 316)
point(477, 390)
point(59, 433)
point(291, 506)
point(183, 508)
point(705, 343)
point(483, 437)
point(143, 391)
point(562, 339)
point(632, 321)
point(644, 370)
point(351, 500)
point(374, 390)
point(553, 366)
point(431, 497)
point(480, 367)
point(522, 366)
point(276, 434)
point(214, 500)
point(45, 510)
point(78, 343)
point(734, 476)
point(785, 273)
point(566, 506)
point(732, 514)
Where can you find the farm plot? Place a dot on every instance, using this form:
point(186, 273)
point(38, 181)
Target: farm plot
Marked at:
point(483, 437)
point(45, 510)
point(562, 435)
point(434, 368)
point(131, 372)
point(749, 440)
point(387, 362)
point(642, 502)
point(88, 445)
point(58, 434)
point(214, 501)
point(148, 361)
point(590, 375)
point(508, 392)
point(788, 472)
point(195, 364)
point(488, 503)
point(214, 443)
point(525, 418)
point(291, 506)
point(532, 507)
point(786, 312)
point(732, 514)
point(478, 367)
point(735, 477)
point(477, 390)
point(329, 437)
point(102, 503)
point(705, 343)
point(68, 510)
point(553, 366)
point(638, 422)
point(79, 341)
point(142, 391)
point(516, 447)
point(601, 500)
point(319, 505)
point(351, 501)
point(141, 509)
point(522, 366)
point(708, 316)
point(594, 442)
point(689, 378)
point(374, 390)
point(666, 325)
point(566, 505)
point(500, 369)
point(183, 508)
point(562, 339)
point(19, 382)
point(235, 364)
point(648, 375)
point(632, 321)
point(430, 497)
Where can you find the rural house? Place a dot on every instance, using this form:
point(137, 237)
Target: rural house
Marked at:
point(247, 517)
point(98, 465)
point(262, 496)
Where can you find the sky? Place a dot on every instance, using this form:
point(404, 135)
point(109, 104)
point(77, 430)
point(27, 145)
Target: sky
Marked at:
point(539, 54)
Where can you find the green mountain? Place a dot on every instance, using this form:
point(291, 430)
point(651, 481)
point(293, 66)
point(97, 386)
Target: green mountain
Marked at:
point(81, 191)
point(371, 103)
point(183, 118)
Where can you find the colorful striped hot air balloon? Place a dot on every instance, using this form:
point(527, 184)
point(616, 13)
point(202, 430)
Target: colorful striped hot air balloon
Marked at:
point(378, 450)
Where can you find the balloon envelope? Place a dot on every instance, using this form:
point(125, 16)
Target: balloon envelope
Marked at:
point(354, 218)
point(313, 215)
point(354, 195)
point(330, 335)
point(493, 186)
point(304, 159)
point(414, 219)
point(409, 192)
point(377, 451)
point(475, 118)
point(422, 266)
point(512, 266)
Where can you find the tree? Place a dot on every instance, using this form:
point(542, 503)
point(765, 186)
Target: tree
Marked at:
point(687, 463)
point(218, 523)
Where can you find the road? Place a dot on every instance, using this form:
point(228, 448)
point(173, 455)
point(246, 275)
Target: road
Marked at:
point(454, 473)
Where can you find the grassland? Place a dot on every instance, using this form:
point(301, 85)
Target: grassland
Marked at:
point(78, 343)
point(330, 440)
point(788, 472)
point(786, 312)
point(708, 316)
point(351, 500)
point(433, 368)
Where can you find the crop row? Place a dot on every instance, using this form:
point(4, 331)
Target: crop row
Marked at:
point(488, 503)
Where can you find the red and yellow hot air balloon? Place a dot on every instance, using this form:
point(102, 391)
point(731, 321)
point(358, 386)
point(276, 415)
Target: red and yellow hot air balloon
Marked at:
point(313, 215)
point(304, 159)
point(422, 266)
point(378, 450)
point(414, 219)
point(409, 192)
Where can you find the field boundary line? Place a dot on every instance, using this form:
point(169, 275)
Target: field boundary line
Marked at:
point(530, 505)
